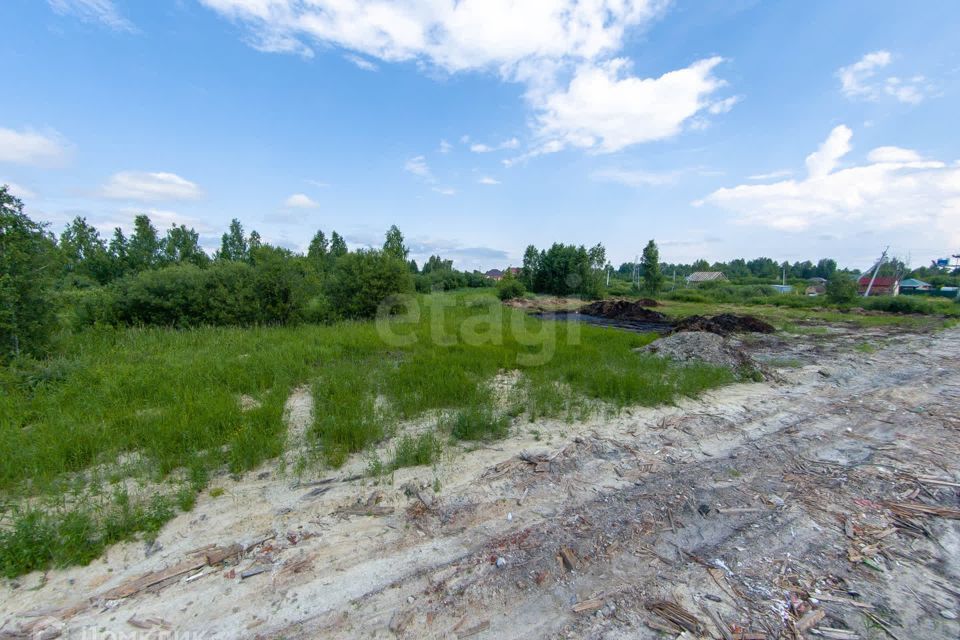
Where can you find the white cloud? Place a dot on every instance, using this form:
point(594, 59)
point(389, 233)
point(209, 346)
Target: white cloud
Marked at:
point(17, 190)
point(362, 63)
point(32, 147)
point(488, 180)
point(445, 191)
point(102, 11)
point(723, 106)
point(445, 147)
point(149, 187)
point(893, 154)
point(418, 167)
point(773, 175)
point(825, 159)
point(455, 35)
point(859, 80)
point(606, 110)
point(637, 177)
point(894, 189)
point(559, 50)
point(300, 201)
point(512, 143)
point(317, 183)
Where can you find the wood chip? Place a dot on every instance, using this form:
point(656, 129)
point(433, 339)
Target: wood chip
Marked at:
point(826, 597)
point(586, 606)
point(569, 558)
point(810, 619)
point(150, 579)
point(474, 630)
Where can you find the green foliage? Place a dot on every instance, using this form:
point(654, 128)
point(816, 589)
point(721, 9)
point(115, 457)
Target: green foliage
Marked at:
point(911, 304)
point(415, 451)
point(564, 270)
point(143, 248)
point(362, 280)
point(28, 261)
point(510, 287)
point(393, 244)
point(652, 277)
point(338, 246)
point(841, 289)
point(233, 244)
point(477, 422)
point(272, 291)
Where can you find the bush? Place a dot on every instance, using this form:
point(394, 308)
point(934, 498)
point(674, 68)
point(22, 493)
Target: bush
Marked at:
point(478, 422)
point(362, 280)
point(904, 304)
point(841, 289)
point(510, 288)
point(273, 291)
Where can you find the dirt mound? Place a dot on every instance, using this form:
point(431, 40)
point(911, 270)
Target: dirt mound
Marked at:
point(648, 302)
point(701, 346)
point(724, 324)
point(622, 310)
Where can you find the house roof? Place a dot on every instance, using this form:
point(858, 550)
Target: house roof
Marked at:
point(493, 273)
point(913, 282)
point(881, 281)
point(705, 276)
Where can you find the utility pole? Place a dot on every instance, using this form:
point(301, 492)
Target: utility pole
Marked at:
point(876, 270)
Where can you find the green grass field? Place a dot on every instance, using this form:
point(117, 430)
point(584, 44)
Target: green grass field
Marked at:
point(107, 440)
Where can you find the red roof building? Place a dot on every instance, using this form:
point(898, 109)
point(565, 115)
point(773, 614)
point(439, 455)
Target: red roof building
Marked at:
point(882, 285)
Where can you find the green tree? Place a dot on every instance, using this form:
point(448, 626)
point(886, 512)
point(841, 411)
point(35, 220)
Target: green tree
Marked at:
point(143, 249)
point(117, 249)
point(393, 244)
point(182, 245)
point(318, 250)
point(233, 244)
point(510, 287)
point(28, 259)
point(841, 289)
point(652, 276)
point(338, 247)
point(363, 279)
point(84, 253)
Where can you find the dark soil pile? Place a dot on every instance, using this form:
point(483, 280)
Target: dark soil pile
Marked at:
point(622, 310)
point(724, 324)
point(648, 302)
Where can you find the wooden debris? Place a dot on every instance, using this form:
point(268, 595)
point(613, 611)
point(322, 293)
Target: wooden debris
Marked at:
point(741, 510)
point(827, 597)
point(917, 508)
point(474, 630)
point(834, 634)
point(810, 619)
point(570, 561)
point(219, 554)
point(675, 614)
point(400, 620)
point(585, 606)
point(150, 579)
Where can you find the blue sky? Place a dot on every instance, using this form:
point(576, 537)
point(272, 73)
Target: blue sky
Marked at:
point(726, 129)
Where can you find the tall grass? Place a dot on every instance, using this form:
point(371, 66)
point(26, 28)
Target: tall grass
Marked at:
point(161, 406)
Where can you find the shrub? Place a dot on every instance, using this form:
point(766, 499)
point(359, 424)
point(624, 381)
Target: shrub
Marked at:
point(362, 280)
point(510, 288)
point(415, 451)
point(479, 422)
point(841, 289)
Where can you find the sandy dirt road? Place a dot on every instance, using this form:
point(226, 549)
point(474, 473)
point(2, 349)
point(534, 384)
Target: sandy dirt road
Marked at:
point(777, 509)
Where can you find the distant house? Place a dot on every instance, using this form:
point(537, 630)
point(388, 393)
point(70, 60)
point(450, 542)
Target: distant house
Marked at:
point(705, 276)
point(912, 284)
point(497, 274)
point(882, 285)
point(494, 274)
point(783, 288)
point(816, 280)
point(815, 290)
